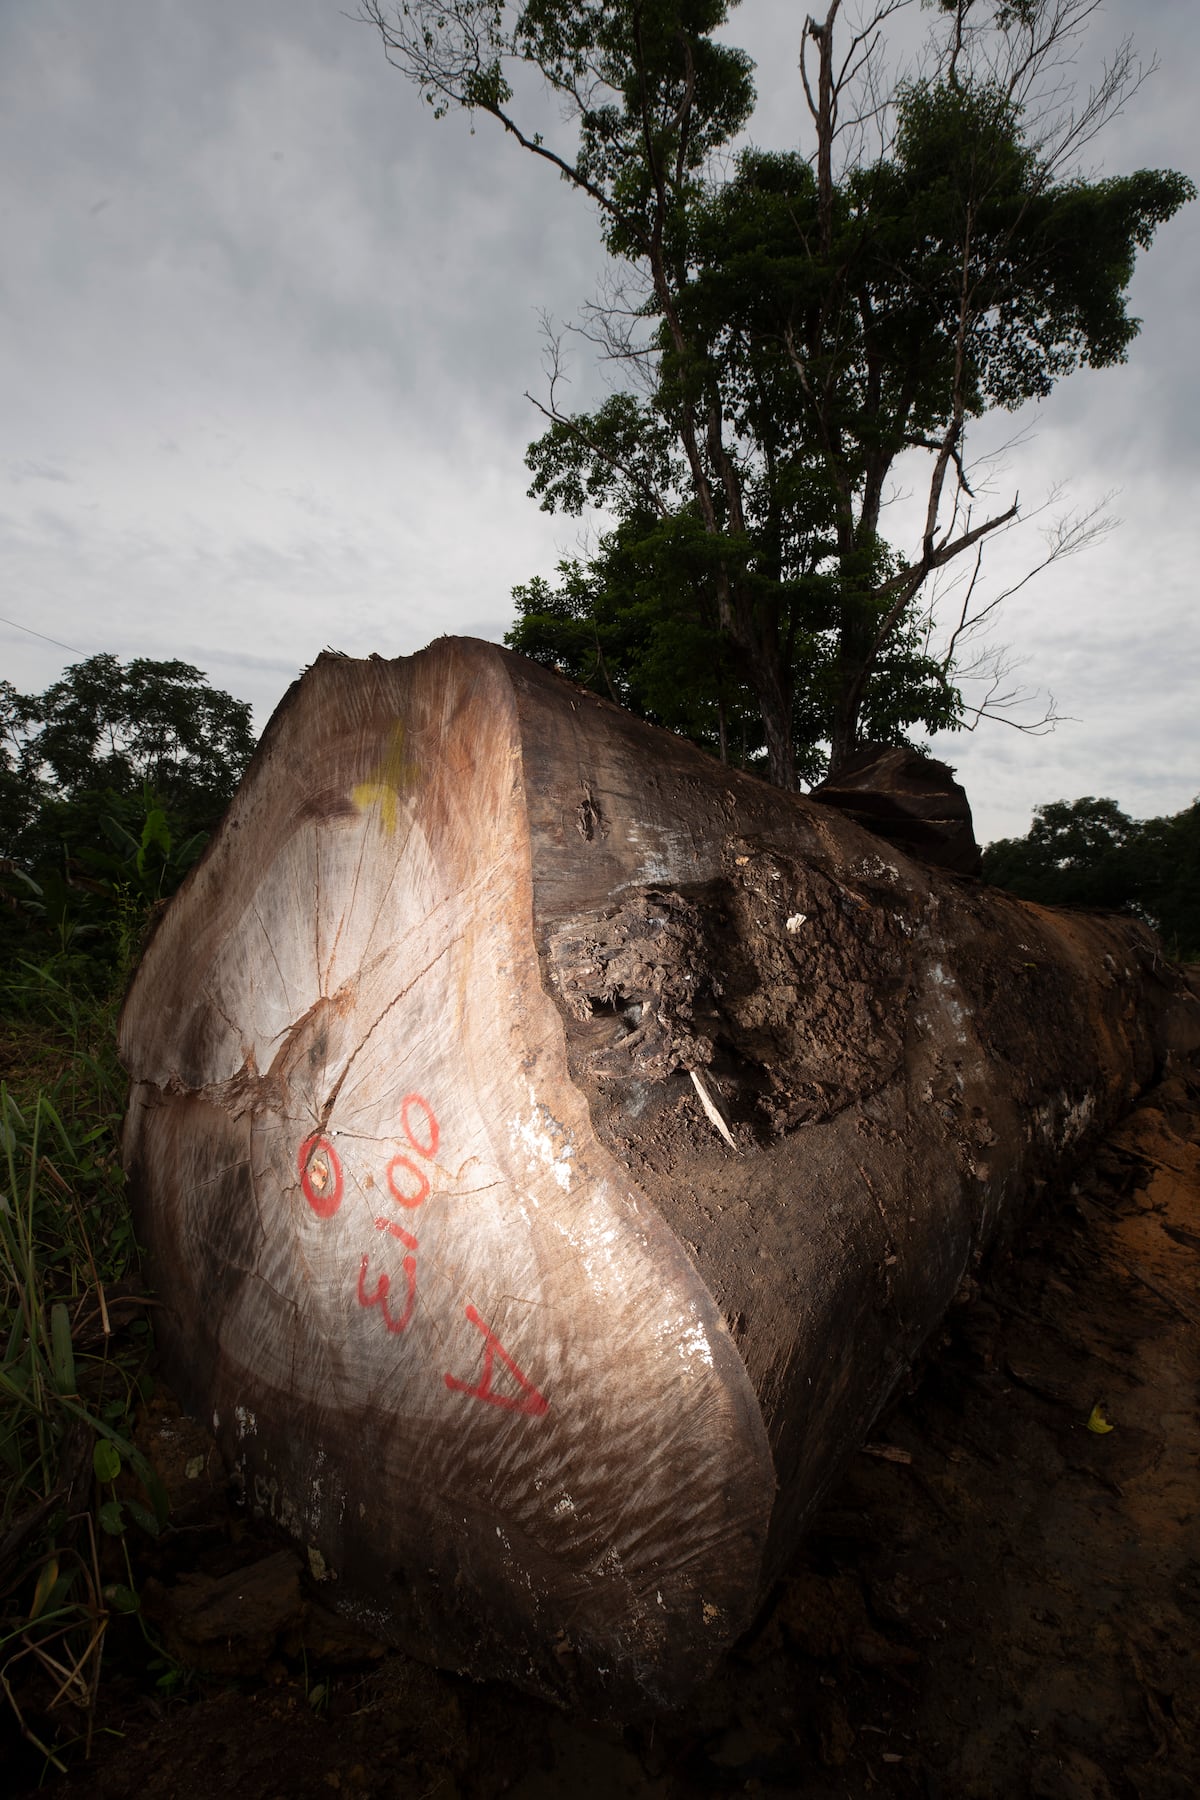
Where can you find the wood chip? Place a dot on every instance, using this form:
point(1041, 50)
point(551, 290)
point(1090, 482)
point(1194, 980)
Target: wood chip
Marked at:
point(710, 1109)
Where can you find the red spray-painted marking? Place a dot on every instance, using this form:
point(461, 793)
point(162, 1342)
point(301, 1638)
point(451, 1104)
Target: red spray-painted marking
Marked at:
point(383, 1288)
point(430, 1147)
point(320, 1175)
point(393, 1180)
point(528, 1401)
point(424, 1145)
point(322, 1183)
point(397, 1231)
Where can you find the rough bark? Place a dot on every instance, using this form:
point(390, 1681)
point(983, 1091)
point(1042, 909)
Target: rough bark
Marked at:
point(911, 800)
point(553, 1147)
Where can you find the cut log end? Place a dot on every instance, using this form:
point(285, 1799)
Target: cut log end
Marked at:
point(540, 1212)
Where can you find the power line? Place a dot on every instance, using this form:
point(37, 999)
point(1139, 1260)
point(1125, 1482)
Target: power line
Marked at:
point(41, 634)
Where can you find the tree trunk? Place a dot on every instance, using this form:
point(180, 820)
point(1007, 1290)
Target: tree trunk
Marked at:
point(552, 1148)
point(774, 698)
point(855, 656)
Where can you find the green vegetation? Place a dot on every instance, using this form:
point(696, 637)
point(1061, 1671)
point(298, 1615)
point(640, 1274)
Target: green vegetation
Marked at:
point(74, 1337)
point(108, 784)
point(796, 337)
point(1089, 853)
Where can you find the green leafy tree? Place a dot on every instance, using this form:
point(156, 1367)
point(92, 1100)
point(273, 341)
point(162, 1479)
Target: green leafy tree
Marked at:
point(791, 325)
point(109, 783)
point(1074, 854)
point(20, 791)
point(1169, 879)
point(107, 725)
point(1089, 853)
point(637, 623)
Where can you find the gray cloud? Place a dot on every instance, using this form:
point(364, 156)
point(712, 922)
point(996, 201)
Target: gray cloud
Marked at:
point(266, 327)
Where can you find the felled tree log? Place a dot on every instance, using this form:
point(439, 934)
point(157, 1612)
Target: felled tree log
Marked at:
point(552, 1148)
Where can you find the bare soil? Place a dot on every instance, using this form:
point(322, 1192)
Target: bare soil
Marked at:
point(999, 1599)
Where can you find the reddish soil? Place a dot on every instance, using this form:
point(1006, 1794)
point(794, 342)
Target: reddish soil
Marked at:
point(997, 1601)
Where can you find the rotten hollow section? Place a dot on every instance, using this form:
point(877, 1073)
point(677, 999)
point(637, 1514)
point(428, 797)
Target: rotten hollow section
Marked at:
point(552, 1147)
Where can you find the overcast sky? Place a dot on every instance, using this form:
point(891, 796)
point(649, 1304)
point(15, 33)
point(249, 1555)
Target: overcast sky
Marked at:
point(267, 330)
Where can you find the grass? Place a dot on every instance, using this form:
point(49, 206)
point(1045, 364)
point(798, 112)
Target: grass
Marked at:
point(74, 1342)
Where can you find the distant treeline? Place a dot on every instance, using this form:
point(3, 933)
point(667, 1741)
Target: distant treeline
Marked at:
point(1089, 853)
point(110, 783)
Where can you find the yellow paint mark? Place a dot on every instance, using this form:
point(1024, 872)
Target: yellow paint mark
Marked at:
point(385, 785)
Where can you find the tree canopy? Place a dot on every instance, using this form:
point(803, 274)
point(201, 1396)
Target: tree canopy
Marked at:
point(787, 327)
point(105, 724)
point(109, 783)
point(1089, 853)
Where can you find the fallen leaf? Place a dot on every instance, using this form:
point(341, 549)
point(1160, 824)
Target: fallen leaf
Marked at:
point(45, 1583)
point(1097, 1421)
